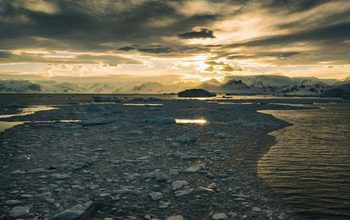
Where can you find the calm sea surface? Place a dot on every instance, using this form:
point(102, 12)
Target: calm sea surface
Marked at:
point(310, 164)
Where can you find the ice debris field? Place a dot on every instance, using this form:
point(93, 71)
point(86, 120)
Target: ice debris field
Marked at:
point(115, 161)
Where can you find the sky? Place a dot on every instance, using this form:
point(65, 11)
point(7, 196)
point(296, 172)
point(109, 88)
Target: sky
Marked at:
point(173, 40)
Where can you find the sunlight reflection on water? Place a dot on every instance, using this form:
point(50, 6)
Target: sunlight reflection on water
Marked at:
point(190, 121)
point(310, 164)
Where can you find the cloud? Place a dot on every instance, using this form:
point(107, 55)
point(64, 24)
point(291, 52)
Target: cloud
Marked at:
point(271, 32)
point(36, 5)
point(111, 60)
point(204, 33)
point(209, 69)
point(212, 62)
point(126, 48)
point(263, 55)
point(228, 68)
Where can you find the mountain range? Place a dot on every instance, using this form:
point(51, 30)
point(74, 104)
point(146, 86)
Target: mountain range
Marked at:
point(237, 84)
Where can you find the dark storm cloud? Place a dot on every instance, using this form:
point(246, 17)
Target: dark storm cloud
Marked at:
point(335, 33)
point(204, 33)
point(156, 28)
point(5, 54)
point(79, 59)
point(212, 62)
point(86, 26)
point(126, 48)
point(292, 6)
point(263, 55)
point(157, 50)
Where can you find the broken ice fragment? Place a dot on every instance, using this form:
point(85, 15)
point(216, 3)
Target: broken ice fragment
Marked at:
point(221, 135)
point(60, 176)
point(20, 211)
point(23, 157)
point(164, 205)
point(194, 168)
point(12, 202)
point(185, 138)
point(178, 184)
point(73, 213)
point(256, 209)
point(155, 195)
point(183, 192)
point(160, 176)
point(218, 216)
point(17, 172)
point(175, 217)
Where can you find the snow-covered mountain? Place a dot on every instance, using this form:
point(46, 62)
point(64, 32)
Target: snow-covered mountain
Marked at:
point(19, 86)
point(338, 91)
point(237, 84)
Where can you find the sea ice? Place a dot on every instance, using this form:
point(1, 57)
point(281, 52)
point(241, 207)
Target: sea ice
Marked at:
point(95, 108)
point(19, 211)
point(218, 216)
point(23, 157)
point(178, 184)
point(60, 176)
point(155, 195)
point(183, 192)
point(221, 135)
point(73, 213)
point(175, 217)
point(185, 138)
point(164, 205)
point(12, 202)
point(194, 168)
point(17, 172)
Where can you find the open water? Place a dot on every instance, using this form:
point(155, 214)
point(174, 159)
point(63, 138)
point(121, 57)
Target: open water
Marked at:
point(310, 164)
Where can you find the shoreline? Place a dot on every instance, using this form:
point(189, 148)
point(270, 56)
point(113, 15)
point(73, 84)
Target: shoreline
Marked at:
point(101, 162)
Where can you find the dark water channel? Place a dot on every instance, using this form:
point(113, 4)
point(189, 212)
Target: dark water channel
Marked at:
point(310, 164)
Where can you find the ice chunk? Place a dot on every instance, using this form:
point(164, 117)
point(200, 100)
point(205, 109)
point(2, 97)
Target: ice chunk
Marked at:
point(160, 176)
point(183, 192)
point(20, 211)
point(73, 213)
point(51, 187)
point(12, 202)
point(164, 205)
point(256, 209)
point(175, 217)
point(194, 168)
point(155, 195)
point(23, 157)
point(173, 172)
point(221, 135)
point(17, 172)
point(185, 138)
point(178, 184)
point(218, 216)
point(95, 108)
point(60, 176)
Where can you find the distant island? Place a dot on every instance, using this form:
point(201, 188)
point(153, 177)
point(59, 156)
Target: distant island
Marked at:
point(196, 93)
